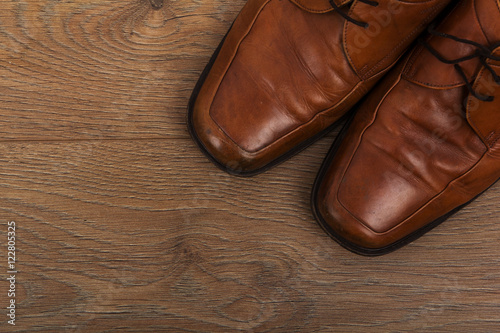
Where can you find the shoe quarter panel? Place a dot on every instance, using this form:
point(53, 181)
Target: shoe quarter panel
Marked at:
point(484, 117)
point(427, 69)
point(392, 27)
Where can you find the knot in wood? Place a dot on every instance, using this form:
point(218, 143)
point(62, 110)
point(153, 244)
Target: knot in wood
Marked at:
point(156, 4)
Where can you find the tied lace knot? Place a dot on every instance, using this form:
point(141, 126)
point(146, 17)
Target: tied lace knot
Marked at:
point(482, 52)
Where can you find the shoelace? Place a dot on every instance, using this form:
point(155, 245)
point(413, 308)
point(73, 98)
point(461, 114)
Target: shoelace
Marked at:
point(350, 19)
point(482, 52)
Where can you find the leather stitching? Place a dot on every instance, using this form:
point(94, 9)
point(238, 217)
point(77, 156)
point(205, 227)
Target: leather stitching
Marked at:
point(377, 66)
point(469, 116)
point(430, 201)
point(490, 136)
point(410, 70)
point(410, 36)
point(317, 11)
point(374, 117)
point(451, 85)
point(426, 84)
point(346, 50)
point(235, 51)
point(471, 121)
point(495, 141)
point(346, 99)
point(411, 77)
point(474, 6)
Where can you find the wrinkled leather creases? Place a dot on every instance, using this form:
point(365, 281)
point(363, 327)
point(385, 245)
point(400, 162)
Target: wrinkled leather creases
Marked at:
point(422, 145)
point(288, 70)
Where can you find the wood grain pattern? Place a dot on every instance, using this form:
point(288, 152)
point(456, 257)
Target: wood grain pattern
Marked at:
point(103, 69)
point(124, 225)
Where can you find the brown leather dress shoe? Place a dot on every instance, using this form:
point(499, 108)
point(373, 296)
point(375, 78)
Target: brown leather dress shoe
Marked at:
point(289, 69)
point(425, 142)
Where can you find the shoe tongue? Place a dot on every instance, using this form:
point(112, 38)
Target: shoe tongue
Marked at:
point(318, 6)
point(424, 68)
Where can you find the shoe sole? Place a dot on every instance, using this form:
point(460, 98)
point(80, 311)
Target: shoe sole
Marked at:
point(371, 252)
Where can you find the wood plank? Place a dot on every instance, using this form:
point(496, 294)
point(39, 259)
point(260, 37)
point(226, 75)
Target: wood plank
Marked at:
point(124, 224)
point(98, 69)
point(150, 236)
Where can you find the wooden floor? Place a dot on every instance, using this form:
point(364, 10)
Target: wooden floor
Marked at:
point(123, 224)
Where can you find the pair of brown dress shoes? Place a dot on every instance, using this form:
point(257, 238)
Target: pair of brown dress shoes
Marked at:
point(424, 142)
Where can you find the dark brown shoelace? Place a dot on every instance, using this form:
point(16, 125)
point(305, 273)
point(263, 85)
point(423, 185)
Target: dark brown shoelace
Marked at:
point(482, 52)
point(350, 19)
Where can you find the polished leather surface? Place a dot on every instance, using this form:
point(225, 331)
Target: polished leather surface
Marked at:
point(421, 145)
point(289, 69)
